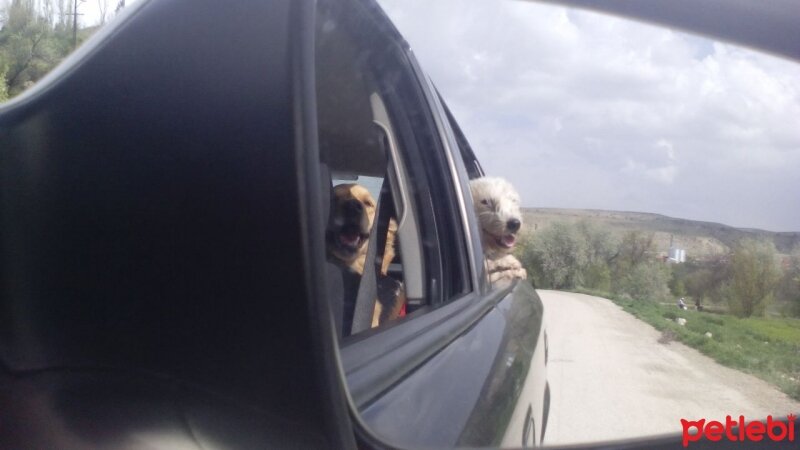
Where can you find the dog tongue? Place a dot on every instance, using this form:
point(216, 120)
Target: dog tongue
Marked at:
point(351, 239)
point(508, 240)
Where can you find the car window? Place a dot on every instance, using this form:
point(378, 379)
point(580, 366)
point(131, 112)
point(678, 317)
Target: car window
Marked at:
point(465, 151)
point(389, 191)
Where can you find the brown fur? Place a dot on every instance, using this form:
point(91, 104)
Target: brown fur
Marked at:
point(344, 216)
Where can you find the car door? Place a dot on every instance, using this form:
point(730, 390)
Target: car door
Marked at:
point(465, 365)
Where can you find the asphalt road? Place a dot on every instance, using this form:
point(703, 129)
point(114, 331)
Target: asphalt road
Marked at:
point(611, 379)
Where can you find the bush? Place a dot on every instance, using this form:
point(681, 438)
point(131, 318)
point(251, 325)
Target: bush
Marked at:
point(555, 256)
point(597, 277)
point(645, 281)
point(755, 274)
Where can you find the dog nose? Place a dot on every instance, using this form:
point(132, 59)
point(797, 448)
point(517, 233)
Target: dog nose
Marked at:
point(353, 207)
point(513, 225)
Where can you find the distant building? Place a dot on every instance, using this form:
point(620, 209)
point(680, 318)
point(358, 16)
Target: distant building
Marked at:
point(676, 255)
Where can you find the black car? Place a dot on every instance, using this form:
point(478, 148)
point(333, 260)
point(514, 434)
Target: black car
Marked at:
point(165, 198)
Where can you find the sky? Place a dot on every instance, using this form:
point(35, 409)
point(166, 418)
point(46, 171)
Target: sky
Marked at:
point(583, 110)
point(90, 10)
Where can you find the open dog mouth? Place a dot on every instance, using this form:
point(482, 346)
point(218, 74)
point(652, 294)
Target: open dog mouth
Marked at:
point(506, 241)
point(351, 238)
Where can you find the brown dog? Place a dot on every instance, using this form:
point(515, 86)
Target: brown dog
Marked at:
point(352, 216)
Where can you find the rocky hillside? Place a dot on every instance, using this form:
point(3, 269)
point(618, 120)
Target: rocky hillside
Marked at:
point(699, 239)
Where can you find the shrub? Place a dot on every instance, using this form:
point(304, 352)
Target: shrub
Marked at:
point(645, 281)
point(597, 276)
point(555, 256)
point(755, 275)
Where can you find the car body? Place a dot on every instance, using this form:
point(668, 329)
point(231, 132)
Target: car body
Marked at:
point(166, 196)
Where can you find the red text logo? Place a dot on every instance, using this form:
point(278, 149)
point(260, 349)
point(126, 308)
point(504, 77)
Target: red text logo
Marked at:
point(738, 431)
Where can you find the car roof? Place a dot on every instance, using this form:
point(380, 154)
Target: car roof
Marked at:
point(767, 25)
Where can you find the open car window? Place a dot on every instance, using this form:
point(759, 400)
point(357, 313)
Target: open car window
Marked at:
point(390, 210)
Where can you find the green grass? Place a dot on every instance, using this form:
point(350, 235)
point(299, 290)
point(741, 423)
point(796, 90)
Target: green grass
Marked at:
point(768, 348)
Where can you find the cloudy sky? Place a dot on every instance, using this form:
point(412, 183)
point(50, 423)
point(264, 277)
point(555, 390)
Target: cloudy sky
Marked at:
point(583, 110)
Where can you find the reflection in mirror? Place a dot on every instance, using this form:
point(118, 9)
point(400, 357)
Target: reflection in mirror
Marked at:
point(36, 35)
point(362, 239)
point(428, 361)
point(688, 306)
point(659, 171)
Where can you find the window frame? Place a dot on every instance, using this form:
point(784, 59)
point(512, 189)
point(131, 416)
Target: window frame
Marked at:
point(446, 271)
point(374, 360)
point(452, 260)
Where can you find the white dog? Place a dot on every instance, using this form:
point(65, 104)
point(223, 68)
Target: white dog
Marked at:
point(497, 207)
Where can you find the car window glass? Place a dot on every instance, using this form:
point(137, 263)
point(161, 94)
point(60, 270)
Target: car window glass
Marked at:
point(658, 171)
point(374, 137)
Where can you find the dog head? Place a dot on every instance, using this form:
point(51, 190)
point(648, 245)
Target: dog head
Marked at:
point(497, 207)
point(352, 213)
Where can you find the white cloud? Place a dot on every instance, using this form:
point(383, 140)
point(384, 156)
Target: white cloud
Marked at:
point(586, 110)
point(667, 146)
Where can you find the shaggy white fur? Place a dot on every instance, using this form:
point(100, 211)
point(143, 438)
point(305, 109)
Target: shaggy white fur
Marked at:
point(497, 206)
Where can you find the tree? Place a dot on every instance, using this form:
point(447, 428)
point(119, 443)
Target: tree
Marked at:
point(3, 86)
point(795, 309)
point(555, 256)
point(48, 11)
point(788, 290)
point(645, 281)
point(601, 248)
point(35, 35)
point(677, 287)
point(567, 256)
point(636, 248)
point(601, 244)
point(25, 45)
point(707, 279)
point(597, 276)
point(754, 276)
point(102, 5)
point(64, 9)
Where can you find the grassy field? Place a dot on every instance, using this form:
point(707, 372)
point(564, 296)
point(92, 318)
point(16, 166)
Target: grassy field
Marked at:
point(766, 348)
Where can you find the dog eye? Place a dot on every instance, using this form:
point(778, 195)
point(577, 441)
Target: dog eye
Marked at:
point(485, 202)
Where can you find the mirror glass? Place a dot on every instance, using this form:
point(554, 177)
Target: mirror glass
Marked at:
point(658, 175)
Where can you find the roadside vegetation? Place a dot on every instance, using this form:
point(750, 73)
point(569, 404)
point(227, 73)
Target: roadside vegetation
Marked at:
point(35, 35)
point(743, 306)
point(766, 348)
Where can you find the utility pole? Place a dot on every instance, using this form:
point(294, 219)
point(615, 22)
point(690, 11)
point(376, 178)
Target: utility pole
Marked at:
point(75, 15)
point(75, 26)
